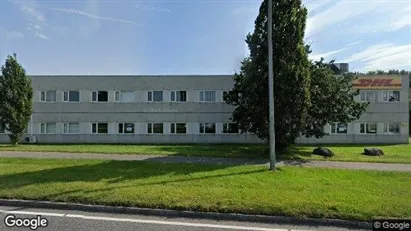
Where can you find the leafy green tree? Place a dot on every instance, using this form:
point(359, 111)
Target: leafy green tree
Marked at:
point(307, 95)
point(332, 99)
point(291, 75)
point(16, 96)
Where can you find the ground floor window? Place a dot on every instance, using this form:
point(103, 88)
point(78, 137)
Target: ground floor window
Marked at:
point(338, 128)
point(230, 128)
point(99, 128)
point(47, 128)
point(126, 128)
point(71, 128)
point(178, 128)
point(207, 128)
point(368, 128)
point(391, 128)
point(156, 128)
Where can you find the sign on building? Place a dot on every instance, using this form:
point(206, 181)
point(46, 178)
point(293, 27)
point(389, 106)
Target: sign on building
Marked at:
point(377, 82)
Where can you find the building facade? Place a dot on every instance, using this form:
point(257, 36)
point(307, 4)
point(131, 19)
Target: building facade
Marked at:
point(184, 109)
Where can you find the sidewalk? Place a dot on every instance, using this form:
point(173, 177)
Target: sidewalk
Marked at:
point(208, 160)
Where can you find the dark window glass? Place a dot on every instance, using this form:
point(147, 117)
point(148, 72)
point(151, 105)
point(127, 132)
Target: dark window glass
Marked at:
point(181, 96)
point(74, 96)
point(102, 96)
point(150, 96)
point(230, 128)
point(157, 96)
point(158, 128)
point(103, 128)
point(181, 128)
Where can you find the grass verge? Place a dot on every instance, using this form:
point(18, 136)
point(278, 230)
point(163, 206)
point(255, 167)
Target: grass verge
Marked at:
point(290, 191)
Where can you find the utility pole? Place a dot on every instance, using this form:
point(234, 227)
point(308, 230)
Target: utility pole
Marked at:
point(271, 85)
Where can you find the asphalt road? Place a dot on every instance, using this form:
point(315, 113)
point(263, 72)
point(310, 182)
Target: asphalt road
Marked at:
point(63, 220)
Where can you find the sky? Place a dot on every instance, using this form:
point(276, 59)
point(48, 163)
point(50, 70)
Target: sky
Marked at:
point(186, 37)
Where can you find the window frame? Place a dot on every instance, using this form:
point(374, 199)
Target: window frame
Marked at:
point(335, 125)
point(118, 96)
point(68, 97)
point(204, 128)
point(226, 129)
point(386, 128)
point(123, 130)
point(97, 127)
point(385, 94)
point(150, 128)
point(68, 128)
point(152, 96)
point(45, 127)
point(176, 93)
point(202, 96)
point(174, 126)
point(96, 92)
point(366, 128)
point(45, 96)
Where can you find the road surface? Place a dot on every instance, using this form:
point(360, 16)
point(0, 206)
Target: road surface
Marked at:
point(63, 220)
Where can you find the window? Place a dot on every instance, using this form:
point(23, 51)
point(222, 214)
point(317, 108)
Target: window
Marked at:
point(99, 96)
point(207, 96)
point(368, 96)
point(178, 128)
point(155, 96)
point(125, 96)
point(154, 128)
point(391, 96)
point(47, 128)
point(48, 96)
point(368, 128)
point(126, 128)
point(71, 128)
point(99, 128)
point(391, 128)
point(338, 128)
point(71, 96)
point(178, 96)
point(230, 128)
point(207, 128)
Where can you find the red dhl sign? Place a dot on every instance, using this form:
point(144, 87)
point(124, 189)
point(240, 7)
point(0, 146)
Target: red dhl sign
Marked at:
point(383, 82)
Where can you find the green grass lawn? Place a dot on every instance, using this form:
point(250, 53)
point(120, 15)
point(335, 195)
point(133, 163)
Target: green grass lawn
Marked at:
point(290, 191)
point(400, 153)
point(217, 150)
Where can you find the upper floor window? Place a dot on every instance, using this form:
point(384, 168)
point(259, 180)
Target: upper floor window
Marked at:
point(71, 96)
point(48, 96)
point(99, 128)
point(99, 96)
point(368, 128)
point(368, 96)
point(125, 96)
point(207, 96)
point(391, 96)
point(48, 128)
point(178, 96)
point(207, 128)
point(178, 128)
point(230, 128)
point(391, 128)
point(154, 128)
point(155, 96)
point(338, 128)
point(71, 128)
point(126, 128)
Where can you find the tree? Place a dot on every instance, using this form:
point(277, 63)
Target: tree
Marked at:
point(307, 95)
point(16, 96)
point(332, 99)
point(291, 75)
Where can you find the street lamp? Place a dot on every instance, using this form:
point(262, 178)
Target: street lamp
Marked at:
point(271, 85)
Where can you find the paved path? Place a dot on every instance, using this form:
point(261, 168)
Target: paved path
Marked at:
point(207, 160)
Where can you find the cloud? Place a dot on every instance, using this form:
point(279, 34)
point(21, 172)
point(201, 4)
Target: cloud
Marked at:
point(326, 55)
point(316, 4)
point(94, 16)
point(383, 56)
point(41, 36)
point(32, 10)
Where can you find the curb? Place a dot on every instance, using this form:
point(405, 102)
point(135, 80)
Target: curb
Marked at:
point(187, 214)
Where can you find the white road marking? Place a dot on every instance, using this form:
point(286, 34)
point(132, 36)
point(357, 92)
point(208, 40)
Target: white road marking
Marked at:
point(144, 221)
